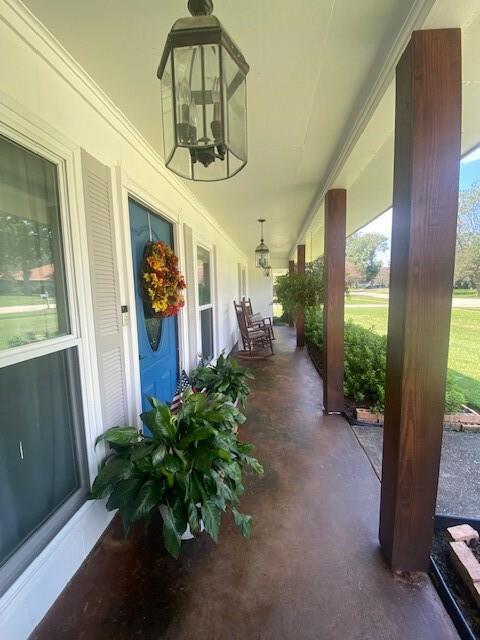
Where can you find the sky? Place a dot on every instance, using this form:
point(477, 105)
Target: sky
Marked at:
point(469, 173)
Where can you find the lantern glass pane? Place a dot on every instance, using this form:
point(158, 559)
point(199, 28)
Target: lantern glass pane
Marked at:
point(197, 93)
point(235, 97)
point(167, 111)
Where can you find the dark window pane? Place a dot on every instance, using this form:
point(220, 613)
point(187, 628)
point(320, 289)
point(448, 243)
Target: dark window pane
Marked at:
point(39, 460)
point(203, 275)
point(206, 326)
point(32, 281)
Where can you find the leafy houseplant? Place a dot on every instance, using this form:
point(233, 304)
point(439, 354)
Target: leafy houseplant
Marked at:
point(192, 464)
point(226, 377)
point(297, 292)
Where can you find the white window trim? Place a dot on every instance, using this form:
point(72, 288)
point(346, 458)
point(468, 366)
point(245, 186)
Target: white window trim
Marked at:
point(213, 296)
point(126, 188)
point(25, 128)
point(28, 131)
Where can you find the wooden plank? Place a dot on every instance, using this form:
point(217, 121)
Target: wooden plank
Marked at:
point(425, 201)
point(300, 316)
point(334, 307)
point(291, 269)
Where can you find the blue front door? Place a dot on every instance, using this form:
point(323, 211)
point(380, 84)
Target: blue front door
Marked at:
point(157, 338)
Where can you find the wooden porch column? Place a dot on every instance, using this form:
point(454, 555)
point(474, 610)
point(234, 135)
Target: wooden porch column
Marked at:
point(425, 200)
point(301, 315)
point(291, 269)
point(333, 308)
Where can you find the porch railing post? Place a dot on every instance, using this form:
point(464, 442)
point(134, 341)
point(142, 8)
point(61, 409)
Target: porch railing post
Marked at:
point(291, 269)
point(425, 201)
point(334, 306)
point(300, 316)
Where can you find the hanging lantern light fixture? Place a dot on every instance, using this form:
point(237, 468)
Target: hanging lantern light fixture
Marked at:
point(204, 98)
point(262, 252)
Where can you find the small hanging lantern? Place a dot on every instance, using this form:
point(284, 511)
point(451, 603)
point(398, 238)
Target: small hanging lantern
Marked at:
point(262, 252)
point(204, 98)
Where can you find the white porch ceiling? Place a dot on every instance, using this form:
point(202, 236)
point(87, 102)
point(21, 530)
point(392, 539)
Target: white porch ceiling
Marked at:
point(314, 65)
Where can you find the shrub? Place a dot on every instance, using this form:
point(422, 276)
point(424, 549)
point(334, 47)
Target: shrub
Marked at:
point(365, 363)
point(314, 326)
point(454, 397)
point(365, 360)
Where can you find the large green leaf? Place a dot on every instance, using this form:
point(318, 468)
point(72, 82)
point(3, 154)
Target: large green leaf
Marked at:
point(254, 464)
point(159, 454)
point(111, 473)
point(146, 499)
point(161, 422)
point(204, 458)
point(196, 436)
point(211, 516)
point(144, 449)
point(193, 519)
point(119, 435)
point(180, 515)
point(123, 493)
point(243, 522)
point(171, 537)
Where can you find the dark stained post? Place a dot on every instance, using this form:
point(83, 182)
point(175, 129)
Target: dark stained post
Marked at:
point(425, 200)
point(301, 315)
point(334, 306)
point(291, 269)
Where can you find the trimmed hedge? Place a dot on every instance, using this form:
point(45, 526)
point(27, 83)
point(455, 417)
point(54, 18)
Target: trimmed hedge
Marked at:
point(365, 363)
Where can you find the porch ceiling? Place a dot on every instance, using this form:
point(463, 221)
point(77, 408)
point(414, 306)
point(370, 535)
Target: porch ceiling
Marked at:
point(313, 67)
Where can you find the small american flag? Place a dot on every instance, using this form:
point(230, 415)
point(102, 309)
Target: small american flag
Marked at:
point(183, 384)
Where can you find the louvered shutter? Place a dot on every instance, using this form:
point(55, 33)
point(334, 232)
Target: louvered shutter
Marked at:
point(190, 295)
point(105, 290)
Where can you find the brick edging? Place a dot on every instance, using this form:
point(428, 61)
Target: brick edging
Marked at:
point(461, 421)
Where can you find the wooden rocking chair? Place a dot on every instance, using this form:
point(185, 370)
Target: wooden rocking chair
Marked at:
point(253, 338)
point(256, 320)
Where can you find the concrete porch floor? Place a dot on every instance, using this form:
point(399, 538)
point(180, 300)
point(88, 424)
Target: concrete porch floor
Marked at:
point(313, 569)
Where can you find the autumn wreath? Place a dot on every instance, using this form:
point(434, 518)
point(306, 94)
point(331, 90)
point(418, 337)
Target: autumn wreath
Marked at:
point(162, 283)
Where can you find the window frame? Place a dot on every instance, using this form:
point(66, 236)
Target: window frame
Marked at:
point(77, 359)
point(212, 304)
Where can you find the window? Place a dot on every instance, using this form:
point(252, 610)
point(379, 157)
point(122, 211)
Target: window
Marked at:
point(205, 305)
point(43, 476)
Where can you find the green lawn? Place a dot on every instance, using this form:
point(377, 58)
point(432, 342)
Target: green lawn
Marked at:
point(19, 328)
point(464, 352)
point(354, 299)
point(17, 300)
point(465, 293)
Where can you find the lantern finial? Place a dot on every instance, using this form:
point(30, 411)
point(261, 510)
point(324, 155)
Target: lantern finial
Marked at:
point(200, 7)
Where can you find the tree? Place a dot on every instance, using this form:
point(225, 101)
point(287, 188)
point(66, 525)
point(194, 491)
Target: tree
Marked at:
point(467, 260)
point(24, 244)
point(352, 274)
point(362, 251)
point(468, 215)
point(467, 264)
point(382, 279)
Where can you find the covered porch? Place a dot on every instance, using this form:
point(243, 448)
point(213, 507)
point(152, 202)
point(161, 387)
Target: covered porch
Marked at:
point(359, 108)
point(315, 569)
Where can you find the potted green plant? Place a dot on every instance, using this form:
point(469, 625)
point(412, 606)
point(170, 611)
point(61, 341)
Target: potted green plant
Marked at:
point(226, 376)
point(191, 464)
